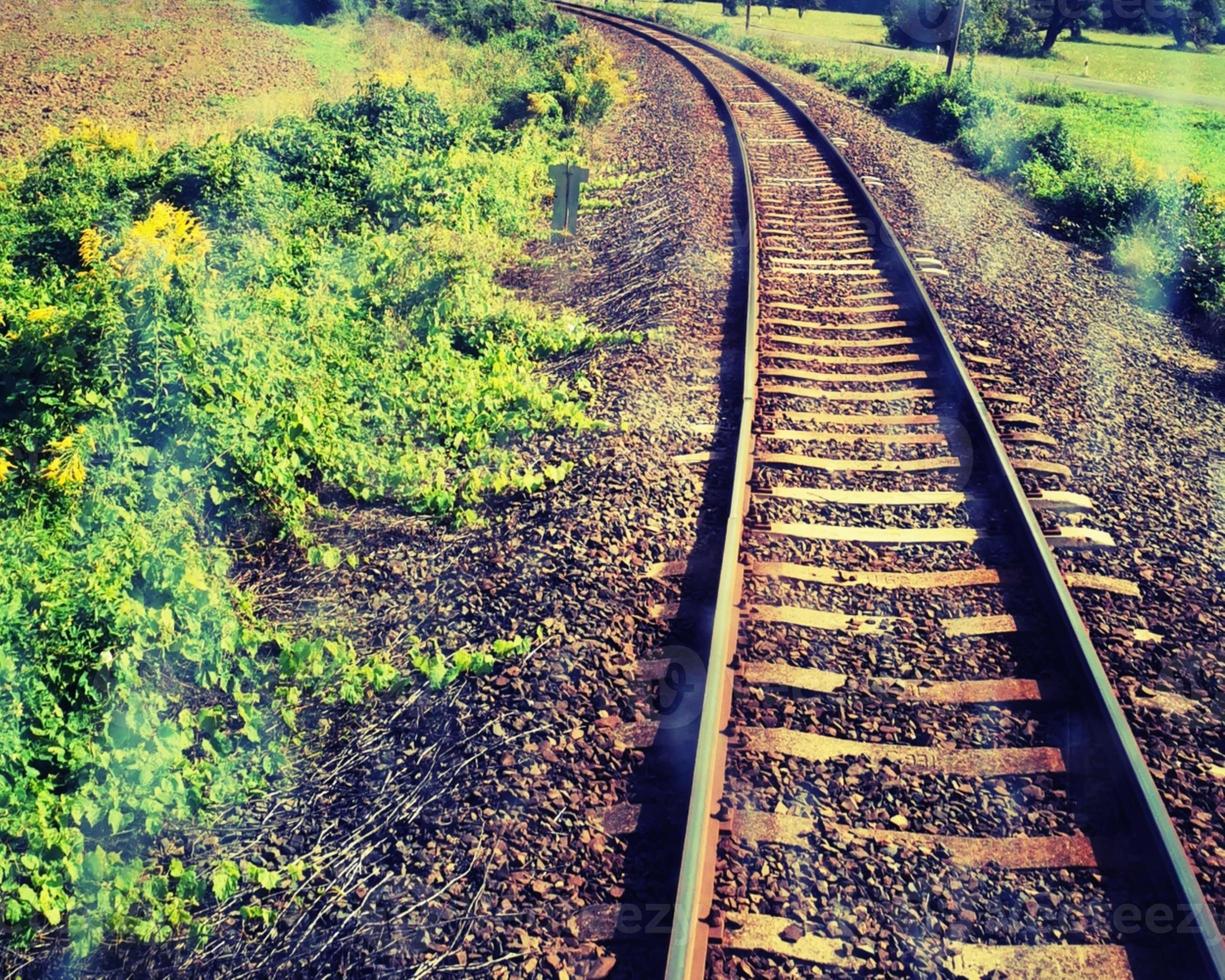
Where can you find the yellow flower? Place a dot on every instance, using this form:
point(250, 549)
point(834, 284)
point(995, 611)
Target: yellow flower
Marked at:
point(67, 467)
point(167, 241)
point(90, 247)
point(42, 313)
point(101, 136)
point(5, 466)
point(541, 103)
point(391, 78)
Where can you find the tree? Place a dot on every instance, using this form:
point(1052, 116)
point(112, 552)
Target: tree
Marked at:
point(919, 23)
point(1194, 21)
point(799, 6)
point(1000, 26)
point(1069, 14)
point(1008, 27)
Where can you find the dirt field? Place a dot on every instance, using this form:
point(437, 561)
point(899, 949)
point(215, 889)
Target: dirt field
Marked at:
point(169, 68)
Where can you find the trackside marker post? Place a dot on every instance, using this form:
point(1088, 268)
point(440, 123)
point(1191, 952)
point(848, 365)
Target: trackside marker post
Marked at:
point(567, 179)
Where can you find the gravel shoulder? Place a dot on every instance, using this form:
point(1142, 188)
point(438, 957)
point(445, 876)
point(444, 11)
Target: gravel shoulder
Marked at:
point(1136, 408)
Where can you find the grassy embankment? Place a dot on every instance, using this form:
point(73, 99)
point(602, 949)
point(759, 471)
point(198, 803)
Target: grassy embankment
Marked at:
point(1080, 156)
point(194, 343)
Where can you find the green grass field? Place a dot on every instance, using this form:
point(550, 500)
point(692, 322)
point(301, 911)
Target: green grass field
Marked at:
point(1166, 137)
point(1132, 59)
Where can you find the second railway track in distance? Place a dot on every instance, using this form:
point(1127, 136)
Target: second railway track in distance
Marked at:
point(910, 760)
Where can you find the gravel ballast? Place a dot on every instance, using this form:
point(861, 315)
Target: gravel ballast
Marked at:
point(1134, 402)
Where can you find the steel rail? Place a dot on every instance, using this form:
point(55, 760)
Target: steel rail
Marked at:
point(691, 925)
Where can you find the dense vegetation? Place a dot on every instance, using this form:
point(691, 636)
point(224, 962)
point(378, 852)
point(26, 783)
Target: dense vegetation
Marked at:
point(473, 20)
point(195, 342)
point(1166, 229)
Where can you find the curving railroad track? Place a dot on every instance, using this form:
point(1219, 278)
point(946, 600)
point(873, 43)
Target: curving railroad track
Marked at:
point(910, 759)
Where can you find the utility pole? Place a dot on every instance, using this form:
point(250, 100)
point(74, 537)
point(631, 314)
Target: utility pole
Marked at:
point(961, 14)
point(748, 10)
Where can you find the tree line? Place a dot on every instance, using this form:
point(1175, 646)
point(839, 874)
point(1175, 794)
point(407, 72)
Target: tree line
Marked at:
point(1032, 27)
point(1025, 27)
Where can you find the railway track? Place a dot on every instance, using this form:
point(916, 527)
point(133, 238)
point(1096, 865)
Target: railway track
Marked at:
point(910, 759)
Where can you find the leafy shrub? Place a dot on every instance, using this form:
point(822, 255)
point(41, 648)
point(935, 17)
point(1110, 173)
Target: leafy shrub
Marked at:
point(480, 20)
point(585, 82)
point(716, 31)
point(996, 144)
point(1097, 200)
point(897, 83)
point(94, 170)
point(1053, 145)
point(942, 107)
point(1141, 254)
point(312, 11)
point(192, 343)
point(335, 149)
point(476, 21)
point(1053, 94)
point(1185, 226)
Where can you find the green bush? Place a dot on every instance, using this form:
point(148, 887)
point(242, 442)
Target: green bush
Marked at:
point(477, 21)
point(1184, 226)
point(481, 20)
point(1054, 95)
point(942, 107)
point(1097, 200)
point(192, 344)
point(93, 173)
point(897, 83)
point(1053, 145)
point(716, 31)
point(996, 144)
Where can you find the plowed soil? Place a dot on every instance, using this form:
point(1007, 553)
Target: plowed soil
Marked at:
point(154, 65)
